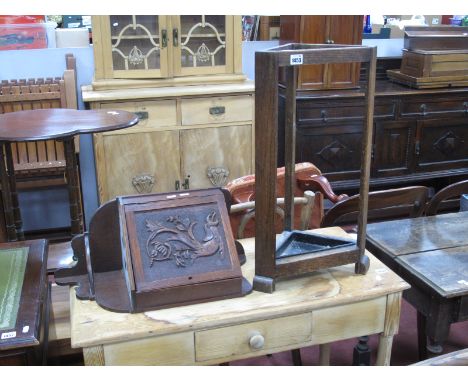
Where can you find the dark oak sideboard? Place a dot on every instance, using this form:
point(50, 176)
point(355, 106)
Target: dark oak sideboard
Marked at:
point(420, 136)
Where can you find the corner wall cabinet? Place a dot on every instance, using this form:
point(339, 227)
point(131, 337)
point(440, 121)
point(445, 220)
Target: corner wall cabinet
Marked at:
point(182, 75)
point(166, 47)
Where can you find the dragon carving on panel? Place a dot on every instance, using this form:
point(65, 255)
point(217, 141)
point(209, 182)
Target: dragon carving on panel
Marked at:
point(177, 240)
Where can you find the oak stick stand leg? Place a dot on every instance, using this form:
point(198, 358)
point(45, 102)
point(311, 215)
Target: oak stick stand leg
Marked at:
point(6, 195)
point(14, 192)
point(73, 184)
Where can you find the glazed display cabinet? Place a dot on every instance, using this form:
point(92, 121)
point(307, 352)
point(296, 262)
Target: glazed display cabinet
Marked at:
point(165, 47)
point(182, 76)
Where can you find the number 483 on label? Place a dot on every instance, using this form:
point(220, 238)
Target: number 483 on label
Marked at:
point(296, 59)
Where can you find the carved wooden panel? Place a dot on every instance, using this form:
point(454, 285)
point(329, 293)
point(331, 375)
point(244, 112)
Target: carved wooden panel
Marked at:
point(333, 149)
point(442, 144)
point(138, 163)
point(227, 147)
point(393, 147)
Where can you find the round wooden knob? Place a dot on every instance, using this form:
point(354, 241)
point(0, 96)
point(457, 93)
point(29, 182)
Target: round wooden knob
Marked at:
point(256, 341)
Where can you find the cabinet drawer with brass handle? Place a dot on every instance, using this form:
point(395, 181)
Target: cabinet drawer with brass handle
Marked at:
point(199, 111)
point(429, 107)
point(315, 113)
point(150, 113)
point(256, 337)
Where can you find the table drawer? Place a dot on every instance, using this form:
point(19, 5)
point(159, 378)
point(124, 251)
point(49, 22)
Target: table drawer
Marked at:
point(150, 113)
point(310, 113)
point(430, 107)
point(199, 111)
point(348, 321)
point(174, 349)
point(253, 338)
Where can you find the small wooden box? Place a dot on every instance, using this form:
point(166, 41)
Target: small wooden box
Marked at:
point(154, 251)
point(420, 63)
point(436, 38)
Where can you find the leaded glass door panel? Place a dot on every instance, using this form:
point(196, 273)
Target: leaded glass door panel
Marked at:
point(202, 44)
point(138, 46)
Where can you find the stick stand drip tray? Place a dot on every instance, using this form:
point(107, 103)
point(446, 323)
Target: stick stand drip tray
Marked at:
point(296, 243)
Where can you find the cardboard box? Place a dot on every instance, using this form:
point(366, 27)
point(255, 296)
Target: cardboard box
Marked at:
point(395, 31)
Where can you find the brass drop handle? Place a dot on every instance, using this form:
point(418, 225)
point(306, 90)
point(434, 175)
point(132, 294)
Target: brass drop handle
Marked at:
point(175, 37)
point(164, 38)
point(177, 185)
point(256, 341)
point(143, 183)
point(417, 148)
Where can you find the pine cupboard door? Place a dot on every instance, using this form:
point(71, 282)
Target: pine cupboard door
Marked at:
point(137, 163)
point(204, 44)
point(211, 157)
point(131, 46)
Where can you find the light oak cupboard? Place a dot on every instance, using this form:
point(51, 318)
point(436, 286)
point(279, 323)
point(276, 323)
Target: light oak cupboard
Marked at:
point(183, 141)
point(182, 75)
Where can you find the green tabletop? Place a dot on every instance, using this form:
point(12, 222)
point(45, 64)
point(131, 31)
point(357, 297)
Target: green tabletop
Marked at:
point(12, 268)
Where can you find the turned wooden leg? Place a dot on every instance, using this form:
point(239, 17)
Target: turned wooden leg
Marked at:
point(73, 184)
point(14, 192)
point(362, 352)
point(6, 195)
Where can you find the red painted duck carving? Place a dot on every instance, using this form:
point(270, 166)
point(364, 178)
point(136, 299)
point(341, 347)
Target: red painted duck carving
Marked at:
point(179, 242)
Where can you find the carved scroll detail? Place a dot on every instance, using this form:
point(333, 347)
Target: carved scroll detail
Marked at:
point(143, 183)
point(218, 175)
point(176, 241)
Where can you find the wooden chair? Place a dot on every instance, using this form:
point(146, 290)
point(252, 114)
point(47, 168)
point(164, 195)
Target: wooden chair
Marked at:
point(306, 201)
point(40, 163)
point(308, 177)
point(383, 205)
point(445, 194)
